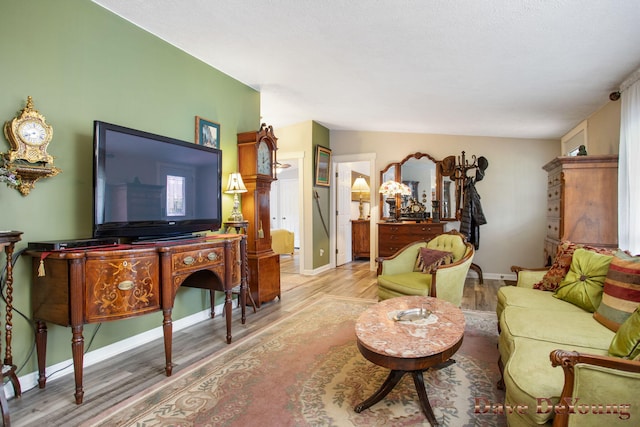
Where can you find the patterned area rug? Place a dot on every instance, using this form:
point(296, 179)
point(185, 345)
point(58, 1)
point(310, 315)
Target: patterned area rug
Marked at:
point(305, 370)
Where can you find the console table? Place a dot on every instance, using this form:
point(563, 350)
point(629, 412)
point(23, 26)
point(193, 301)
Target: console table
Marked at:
point(77, 287)
point(8, 239)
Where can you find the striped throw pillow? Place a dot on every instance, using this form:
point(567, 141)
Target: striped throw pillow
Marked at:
point(621, 294)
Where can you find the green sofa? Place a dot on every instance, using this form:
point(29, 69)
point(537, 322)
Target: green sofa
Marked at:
point(397, 274)
point(552, 350)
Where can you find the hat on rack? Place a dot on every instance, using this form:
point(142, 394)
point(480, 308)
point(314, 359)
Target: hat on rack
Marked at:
point(483, 164)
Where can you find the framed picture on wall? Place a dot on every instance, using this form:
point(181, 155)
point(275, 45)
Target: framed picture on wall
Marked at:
point(207, 132)
point(323, 166)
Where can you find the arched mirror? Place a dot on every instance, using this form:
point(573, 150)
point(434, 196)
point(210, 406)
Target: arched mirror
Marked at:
point(426, 183)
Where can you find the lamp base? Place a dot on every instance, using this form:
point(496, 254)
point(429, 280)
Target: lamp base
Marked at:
point(236, 217)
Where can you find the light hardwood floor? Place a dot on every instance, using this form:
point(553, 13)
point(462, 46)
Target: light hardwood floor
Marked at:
point(108, 383)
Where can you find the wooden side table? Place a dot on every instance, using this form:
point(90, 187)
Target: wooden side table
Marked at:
point(240, 226)
point(8, 240)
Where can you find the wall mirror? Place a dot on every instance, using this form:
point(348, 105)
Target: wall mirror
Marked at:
point(422, 174)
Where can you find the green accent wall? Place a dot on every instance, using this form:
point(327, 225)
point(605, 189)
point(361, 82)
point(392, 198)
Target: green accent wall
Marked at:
point(320, 136)
point(82, 63)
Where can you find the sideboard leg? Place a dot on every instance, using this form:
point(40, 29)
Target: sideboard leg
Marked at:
point(167, 329)
point(41, 350)
point(77, 350)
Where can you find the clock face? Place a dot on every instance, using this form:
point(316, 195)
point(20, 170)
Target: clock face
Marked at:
point(264, 159)
point(32, 133)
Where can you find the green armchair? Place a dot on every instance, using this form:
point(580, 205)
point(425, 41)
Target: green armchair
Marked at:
point(397, 275)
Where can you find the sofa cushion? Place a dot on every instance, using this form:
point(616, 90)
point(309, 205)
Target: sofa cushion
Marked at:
point(621, 293)
point(562, 263)
point(626, 342)
point(528, 376)
point(411, 283)
point(566, 329)
point(432, 258)
point(530, 298)
point(583, 283)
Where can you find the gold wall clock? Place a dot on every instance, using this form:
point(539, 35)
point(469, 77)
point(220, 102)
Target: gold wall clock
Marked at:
point(29, 136)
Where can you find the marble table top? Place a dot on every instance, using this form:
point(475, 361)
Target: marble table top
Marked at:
point(443, 328)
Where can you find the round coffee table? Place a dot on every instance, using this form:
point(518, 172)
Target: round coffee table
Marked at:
point(413, 344)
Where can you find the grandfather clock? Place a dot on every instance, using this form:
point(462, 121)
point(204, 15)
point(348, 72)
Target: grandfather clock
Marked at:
point(256, 163)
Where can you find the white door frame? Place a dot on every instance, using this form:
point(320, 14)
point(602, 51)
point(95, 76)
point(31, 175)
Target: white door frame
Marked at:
point(373, 202)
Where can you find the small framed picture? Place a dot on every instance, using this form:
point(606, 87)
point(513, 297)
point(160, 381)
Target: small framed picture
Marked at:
point(323, 166)
point(207, 133)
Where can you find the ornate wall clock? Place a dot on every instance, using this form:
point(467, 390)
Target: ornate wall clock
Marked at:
point(29, 136)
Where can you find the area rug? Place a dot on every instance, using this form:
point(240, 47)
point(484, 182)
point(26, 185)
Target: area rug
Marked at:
point(305, 370)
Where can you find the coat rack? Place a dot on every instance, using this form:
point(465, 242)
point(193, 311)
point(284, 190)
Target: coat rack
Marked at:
point(458, 170)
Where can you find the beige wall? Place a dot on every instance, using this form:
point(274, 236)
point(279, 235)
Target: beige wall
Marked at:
point(513, 191)
point(603, 129)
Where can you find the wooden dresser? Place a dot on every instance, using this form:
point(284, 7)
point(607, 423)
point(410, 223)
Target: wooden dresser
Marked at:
point(393, 236)
point(582, 202)
point(360, 241)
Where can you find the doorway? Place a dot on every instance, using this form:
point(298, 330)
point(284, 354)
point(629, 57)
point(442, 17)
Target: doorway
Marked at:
point(347, 210)
point(287, 210)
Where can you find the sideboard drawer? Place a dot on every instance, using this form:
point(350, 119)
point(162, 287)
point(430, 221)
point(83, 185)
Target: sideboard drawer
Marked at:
point(122, 286)
point(197, 259)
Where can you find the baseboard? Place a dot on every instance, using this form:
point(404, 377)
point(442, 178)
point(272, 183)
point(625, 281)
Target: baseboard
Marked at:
point(30, 380)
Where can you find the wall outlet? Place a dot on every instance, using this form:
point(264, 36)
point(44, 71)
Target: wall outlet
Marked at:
point(321, 252)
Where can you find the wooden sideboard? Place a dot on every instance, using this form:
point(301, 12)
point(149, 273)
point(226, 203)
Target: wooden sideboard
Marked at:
point(360, 238)
point(393, 236)
point(77, 287)
point(582, 202)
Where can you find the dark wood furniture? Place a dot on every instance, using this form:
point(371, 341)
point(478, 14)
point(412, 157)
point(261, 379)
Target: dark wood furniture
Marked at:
point(8, 240)
point(384, 343)
point(360, 238)
point(393, 236)
point(254, 149)
point(77, 287)
point(582, 202)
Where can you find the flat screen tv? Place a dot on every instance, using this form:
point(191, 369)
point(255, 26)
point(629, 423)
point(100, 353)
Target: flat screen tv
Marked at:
point(149, 186)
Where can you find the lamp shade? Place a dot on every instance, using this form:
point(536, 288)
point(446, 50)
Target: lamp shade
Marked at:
point(236, 185)
point(360, 186)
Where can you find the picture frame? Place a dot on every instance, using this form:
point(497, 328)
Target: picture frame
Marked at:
point(207, 132)
point(323, 166)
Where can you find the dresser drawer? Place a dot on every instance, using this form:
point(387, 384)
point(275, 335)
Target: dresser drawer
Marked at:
point(197, 259)
point(554, 193)
point(553, 208)
point(121, 286)
point(553, 228)
point(554, 178)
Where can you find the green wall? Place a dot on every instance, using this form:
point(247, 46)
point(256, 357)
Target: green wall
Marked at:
point(82, 63)
point(320, 136)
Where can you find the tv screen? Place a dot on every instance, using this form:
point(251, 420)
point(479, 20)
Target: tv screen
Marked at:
point(152, 186)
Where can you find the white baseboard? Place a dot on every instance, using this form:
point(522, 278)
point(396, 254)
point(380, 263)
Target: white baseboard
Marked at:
point(30, 380)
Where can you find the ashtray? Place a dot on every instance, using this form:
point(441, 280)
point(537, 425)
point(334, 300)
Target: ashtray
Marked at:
point(411, 315)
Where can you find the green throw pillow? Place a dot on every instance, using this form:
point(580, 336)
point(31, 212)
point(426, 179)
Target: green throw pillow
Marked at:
point(626, 342)
point(582, 286)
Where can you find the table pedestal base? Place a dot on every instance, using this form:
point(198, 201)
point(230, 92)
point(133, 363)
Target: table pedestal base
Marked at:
point(394, 378)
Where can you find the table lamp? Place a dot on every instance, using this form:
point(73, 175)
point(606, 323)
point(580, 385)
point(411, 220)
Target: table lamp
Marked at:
point(360, 186)
point(235, 187)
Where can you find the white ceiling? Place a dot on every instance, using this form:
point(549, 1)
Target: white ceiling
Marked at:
point(512, 68)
